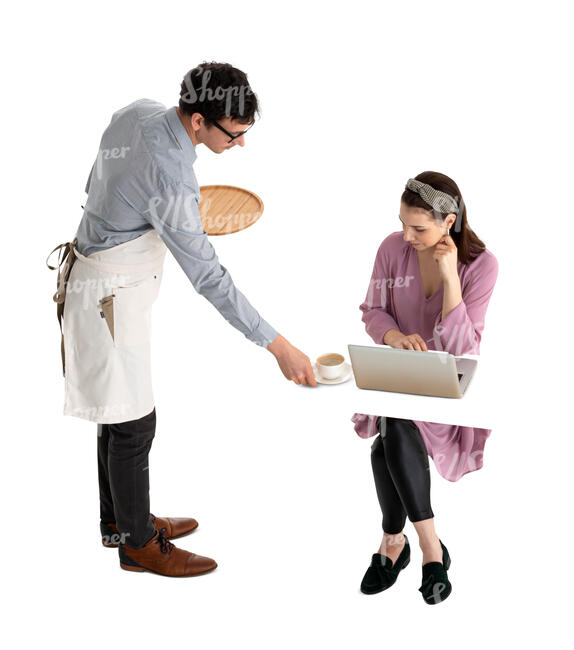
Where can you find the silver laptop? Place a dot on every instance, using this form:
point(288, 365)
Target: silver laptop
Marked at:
point(433, 373)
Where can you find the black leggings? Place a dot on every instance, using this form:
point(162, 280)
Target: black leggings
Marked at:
point(402, 475)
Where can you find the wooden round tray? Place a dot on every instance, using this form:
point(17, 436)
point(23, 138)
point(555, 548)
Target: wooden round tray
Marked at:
point(226, 209)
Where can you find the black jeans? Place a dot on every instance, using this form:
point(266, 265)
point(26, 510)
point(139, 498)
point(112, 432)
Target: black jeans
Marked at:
point(124, 477)
point(402, 474)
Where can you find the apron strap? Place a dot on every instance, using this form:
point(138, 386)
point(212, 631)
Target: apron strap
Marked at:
point(67, 257)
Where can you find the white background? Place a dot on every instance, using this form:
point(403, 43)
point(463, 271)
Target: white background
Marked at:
point(356, 98)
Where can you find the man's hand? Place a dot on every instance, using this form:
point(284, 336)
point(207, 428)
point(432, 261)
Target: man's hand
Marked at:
point(397, 339)
point(294, 364)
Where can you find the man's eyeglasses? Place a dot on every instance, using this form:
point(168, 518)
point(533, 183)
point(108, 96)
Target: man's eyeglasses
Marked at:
point(229, 135)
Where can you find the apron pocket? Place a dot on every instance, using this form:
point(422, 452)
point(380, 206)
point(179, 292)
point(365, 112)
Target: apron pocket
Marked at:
point(107, 312)
point(132, 311)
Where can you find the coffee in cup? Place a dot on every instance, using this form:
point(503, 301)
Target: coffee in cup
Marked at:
point(330, 366)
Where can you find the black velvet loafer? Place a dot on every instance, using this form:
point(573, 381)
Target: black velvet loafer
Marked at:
point(382, 573)
point(436, 586)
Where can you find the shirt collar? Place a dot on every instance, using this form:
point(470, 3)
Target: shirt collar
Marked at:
point(181, 135)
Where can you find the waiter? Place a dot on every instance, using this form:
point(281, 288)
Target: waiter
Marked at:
point(143, 199)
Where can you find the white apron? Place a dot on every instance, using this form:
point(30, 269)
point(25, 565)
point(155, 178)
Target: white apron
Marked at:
point(107, 328)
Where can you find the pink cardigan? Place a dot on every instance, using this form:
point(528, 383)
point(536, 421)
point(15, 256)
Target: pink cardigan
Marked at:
point(395, 299)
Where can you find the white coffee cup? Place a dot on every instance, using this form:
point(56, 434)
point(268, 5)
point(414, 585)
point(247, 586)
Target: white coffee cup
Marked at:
point(330, 366)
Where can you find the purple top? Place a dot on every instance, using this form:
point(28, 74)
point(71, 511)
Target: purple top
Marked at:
point(395, 299)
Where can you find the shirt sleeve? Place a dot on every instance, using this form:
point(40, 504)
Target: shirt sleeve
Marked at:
point(174, 213)
point(87, 190)
point(365, 425)
point(376, 307)
point(460, 332)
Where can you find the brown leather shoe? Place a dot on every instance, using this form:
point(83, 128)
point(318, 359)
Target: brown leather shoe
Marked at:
point(161, 556)
point(175, 527)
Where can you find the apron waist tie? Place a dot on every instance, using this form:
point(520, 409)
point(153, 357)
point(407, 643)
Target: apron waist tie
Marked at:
point(67, 257)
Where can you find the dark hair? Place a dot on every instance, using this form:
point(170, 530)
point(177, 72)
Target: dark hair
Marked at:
point(218, 90)
point(468, 244)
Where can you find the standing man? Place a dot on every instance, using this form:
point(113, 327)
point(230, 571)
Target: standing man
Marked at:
point(143, 199)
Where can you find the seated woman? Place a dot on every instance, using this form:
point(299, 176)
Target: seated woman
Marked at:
point(429, 289)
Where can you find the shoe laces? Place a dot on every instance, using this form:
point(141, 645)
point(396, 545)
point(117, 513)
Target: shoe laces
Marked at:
point(164, 544)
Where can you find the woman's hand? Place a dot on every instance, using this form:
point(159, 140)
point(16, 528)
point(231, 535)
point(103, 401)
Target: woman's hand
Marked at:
point(446, 255)
point(397, 339)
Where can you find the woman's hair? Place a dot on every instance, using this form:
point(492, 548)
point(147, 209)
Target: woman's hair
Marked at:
point(468, 244)
point(218, 90)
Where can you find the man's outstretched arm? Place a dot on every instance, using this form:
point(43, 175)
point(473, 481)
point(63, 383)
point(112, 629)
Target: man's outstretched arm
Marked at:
point(174, 213)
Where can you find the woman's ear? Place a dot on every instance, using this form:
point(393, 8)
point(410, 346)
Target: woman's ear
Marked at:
point(449, 221)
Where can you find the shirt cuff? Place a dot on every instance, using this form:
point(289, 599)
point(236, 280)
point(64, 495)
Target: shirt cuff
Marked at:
point(380, 324)
point(457, 314)
point(264, 334)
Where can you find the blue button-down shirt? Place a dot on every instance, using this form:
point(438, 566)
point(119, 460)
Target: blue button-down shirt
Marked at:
point(143, 178)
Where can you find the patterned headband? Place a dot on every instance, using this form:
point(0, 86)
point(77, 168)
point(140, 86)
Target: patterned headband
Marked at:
point(439, 201)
